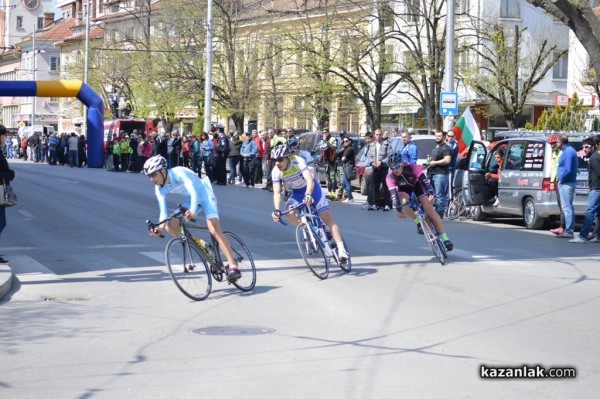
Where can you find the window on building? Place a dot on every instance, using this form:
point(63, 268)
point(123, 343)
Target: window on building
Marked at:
point(19, 22)
point(413, 9)
point(561, 68)
point(388, 17)
point(54, 63)
point(40, 22)
point(509, 9)
point(462, 7)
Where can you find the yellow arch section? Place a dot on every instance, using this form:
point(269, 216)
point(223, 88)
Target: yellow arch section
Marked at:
point(58, 88)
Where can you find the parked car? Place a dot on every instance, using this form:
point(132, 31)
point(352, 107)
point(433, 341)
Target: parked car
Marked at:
point(424, 143)
point(524, 183)
point(309, 141)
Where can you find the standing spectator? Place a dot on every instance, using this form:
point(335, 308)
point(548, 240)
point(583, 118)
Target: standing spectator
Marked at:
point(438, 168)
point(174, 149)
point(44, 149)
point(53, 145)
point(116, 152)
point(9, 147)
point(258, 175)
point(268, 162)
point(248, 152)
point(233, 158)
point(144, 151)
point(378, 155)
point(591, 146)
point(208, 156)
point(133, 151)
point(37, 149)
point(368, 176)
point(81, 153)
point(196, 155)
point(72, 144)
point(493, 176)
point(222, 154)
point(186, 151)
point(556, 151)
point(408, 149)
point(6, 176)
point(32, 143)
point(162, 146)
point(453, 145)
point(328, 156)
point(567, 180)
point(348, 159)
point(63, 149)
point(125, 153)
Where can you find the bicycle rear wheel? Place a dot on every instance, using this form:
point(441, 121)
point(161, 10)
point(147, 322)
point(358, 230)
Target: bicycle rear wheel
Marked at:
point(433, 240)
point(188, 269)
point(346, 266)
point(244, 260)
point(311, 252)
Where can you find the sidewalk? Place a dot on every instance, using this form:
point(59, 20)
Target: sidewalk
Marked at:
point(6, 278)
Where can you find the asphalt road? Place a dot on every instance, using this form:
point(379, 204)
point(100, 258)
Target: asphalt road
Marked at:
point(95, 315)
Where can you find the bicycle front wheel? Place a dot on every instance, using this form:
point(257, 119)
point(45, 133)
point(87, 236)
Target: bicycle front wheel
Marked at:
point(456, 207)
point(188, 269)
point(245, 263)
point(432, 239)
point(311, 252)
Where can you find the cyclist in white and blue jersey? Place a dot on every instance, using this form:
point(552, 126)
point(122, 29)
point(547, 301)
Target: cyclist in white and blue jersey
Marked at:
point(197, 191)
point(294, 146)
point(292, 170)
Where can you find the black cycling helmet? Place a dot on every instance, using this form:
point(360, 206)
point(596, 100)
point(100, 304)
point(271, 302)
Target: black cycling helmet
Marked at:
point(292, 143)
point(395, 159)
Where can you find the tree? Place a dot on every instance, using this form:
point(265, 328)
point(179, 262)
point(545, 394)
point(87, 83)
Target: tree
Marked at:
point(569, 118)
point(580, 17)
point(511, 67)
point(419, 29)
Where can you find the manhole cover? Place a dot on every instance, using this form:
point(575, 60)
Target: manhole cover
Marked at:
point(234, 330)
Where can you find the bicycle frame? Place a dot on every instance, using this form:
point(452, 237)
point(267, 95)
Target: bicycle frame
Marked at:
point(431, 235)
point(314, 222)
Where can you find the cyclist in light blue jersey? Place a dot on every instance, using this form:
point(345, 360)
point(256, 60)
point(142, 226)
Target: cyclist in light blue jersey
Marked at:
point(293, 171)
point(197, 191)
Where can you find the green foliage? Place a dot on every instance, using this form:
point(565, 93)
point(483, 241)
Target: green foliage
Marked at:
point(528, 125)
point(569, 118)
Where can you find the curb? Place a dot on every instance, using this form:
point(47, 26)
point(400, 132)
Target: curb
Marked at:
point(6, 279)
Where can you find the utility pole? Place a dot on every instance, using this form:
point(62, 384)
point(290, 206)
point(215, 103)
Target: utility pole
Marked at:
point(208, 74)
point(86, 66)
point(449, 68)
point(33, 63)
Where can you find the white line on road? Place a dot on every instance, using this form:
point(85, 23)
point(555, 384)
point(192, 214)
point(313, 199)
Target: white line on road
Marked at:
point(115, 246)
point(27, 215)
point(69, 181)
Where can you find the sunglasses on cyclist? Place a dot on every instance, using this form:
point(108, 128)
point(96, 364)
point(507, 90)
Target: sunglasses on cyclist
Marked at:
point(153, 174)
point(397, 166)
point(279, 159)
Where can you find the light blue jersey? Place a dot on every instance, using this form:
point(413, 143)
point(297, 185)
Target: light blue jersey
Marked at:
point(197, 191)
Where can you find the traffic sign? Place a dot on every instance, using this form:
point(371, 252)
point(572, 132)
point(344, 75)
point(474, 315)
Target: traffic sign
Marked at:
point(448, 103)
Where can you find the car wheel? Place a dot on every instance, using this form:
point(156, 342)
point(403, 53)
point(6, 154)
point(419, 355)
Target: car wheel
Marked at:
point(363, 185)
point(531, 218)
point(478, 214)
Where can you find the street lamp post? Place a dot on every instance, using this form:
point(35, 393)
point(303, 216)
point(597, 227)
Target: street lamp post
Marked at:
point(449, 68)
point(208, 74)
point(33, 64)
point(85, 67)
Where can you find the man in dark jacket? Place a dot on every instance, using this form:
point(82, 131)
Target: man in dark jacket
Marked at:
point(591, 146)
point(222, 153)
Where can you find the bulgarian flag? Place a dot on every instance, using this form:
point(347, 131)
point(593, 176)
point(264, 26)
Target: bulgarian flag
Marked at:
point(466, 130)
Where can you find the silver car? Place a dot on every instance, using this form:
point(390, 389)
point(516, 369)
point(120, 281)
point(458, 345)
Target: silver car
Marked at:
point(524, 183)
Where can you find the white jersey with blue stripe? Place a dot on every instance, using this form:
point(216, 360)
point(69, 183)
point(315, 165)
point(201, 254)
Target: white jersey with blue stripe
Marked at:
point(196, 190)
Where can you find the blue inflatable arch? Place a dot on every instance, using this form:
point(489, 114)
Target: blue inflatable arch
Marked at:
point(68, 88)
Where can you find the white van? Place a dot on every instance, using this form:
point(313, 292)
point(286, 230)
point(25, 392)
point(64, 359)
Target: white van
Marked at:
point(36, 129)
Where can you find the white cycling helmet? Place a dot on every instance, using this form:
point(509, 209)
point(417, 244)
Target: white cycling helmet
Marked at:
point(280, 151)
point(154, 164)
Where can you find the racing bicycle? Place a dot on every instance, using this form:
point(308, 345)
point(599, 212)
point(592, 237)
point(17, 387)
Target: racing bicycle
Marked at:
point(431, 235)
point(194, 262)
point(457, 209)
point(315, 243)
